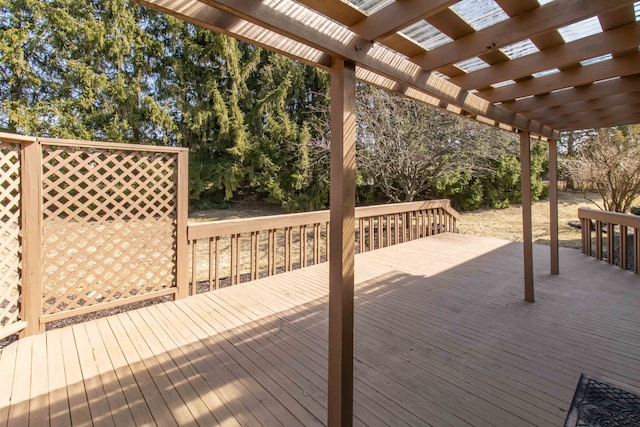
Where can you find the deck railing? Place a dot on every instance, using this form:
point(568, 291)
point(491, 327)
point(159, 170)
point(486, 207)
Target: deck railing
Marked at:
point(232, 251)
point(617, 237)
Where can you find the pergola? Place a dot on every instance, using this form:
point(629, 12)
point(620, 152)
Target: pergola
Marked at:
point(535, 67)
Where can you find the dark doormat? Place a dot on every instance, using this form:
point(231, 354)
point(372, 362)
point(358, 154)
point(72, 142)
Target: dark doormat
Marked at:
point(597, 403)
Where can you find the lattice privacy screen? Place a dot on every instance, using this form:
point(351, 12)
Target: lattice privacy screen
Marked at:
point(109, 219)
point(9, 233)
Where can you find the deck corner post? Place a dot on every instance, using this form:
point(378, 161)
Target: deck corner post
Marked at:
point(31, 224)
point(553, 206)
point(527, 234)
point(342, 242)
point(182, 216)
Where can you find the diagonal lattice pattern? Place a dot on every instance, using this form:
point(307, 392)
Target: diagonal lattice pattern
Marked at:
point(9, 233)
point(109, 219)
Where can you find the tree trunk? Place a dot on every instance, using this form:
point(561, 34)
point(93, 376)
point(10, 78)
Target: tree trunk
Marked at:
point(569, 184)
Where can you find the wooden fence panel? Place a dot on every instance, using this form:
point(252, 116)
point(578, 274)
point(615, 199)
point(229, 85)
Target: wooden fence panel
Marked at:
point(10, 245)
point(110, 225)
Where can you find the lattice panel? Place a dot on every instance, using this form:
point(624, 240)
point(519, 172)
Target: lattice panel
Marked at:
point(9, 233)
point(109, 219)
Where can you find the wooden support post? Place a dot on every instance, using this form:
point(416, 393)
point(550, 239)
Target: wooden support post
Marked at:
point(182, 214)
point(553, 206)
point(342, 252)
point(31, 224)
point(525, 182)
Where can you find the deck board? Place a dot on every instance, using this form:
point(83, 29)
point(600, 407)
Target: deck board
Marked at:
point(442, 337)
point(59, 414)
point(39, 393)
point(7, 373)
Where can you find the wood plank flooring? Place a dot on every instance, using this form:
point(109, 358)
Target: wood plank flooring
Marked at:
point(442, 337)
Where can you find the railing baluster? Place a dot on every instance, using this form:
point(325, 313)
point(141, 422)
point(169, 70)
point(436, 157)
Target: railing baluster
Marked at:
point(287, 249)
point(303, 246)
point(327, 245)
point(194, 259)
point(253, 261)
point(610, 243)
point(316, 243)
point(270, 253)
point(599, 240)
point(258, 254)
point(212, 242)
point(233, 258)
point(385, 231)
point(217, 262)
point(623, 247)
point(636, 250)
point(371, 234)
point(428, 222)
point(405, 226)
point(238, 243)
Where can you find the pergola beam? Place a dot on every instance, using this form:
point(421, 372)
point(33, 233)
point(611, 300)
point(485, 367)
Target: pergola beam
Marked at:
point(601, 122)
point(594, 115)
point(576, 94)
point(520, 27)
point(559, 56)
point(516, 7)
point(397, 16)
point(590, 105)
point(208, 17)
point(620, 66)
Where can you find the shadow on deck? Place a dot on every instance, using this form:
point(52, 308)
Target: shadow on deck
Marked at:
point(442, 337)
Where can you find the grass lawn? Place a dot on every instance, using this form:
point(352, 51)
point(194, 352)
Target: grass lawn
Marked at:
point(507, 223)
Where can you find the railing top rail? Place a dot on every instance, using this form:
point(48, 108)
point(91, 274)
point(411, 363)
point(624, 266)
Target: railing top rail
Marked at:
point(15, 138)
point(366, 211)
point(627, 220)
point(208, 229)
point(111, 145)
point(201, 230)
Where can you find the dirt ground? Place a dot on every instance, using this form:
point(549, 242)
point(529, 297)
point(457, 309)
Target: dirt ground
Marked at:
point(236, 210)
point(507, 223)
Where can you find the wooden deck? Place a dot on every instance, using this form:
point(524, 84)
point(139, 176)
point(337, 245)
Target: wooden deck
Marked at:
point(443, 337)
